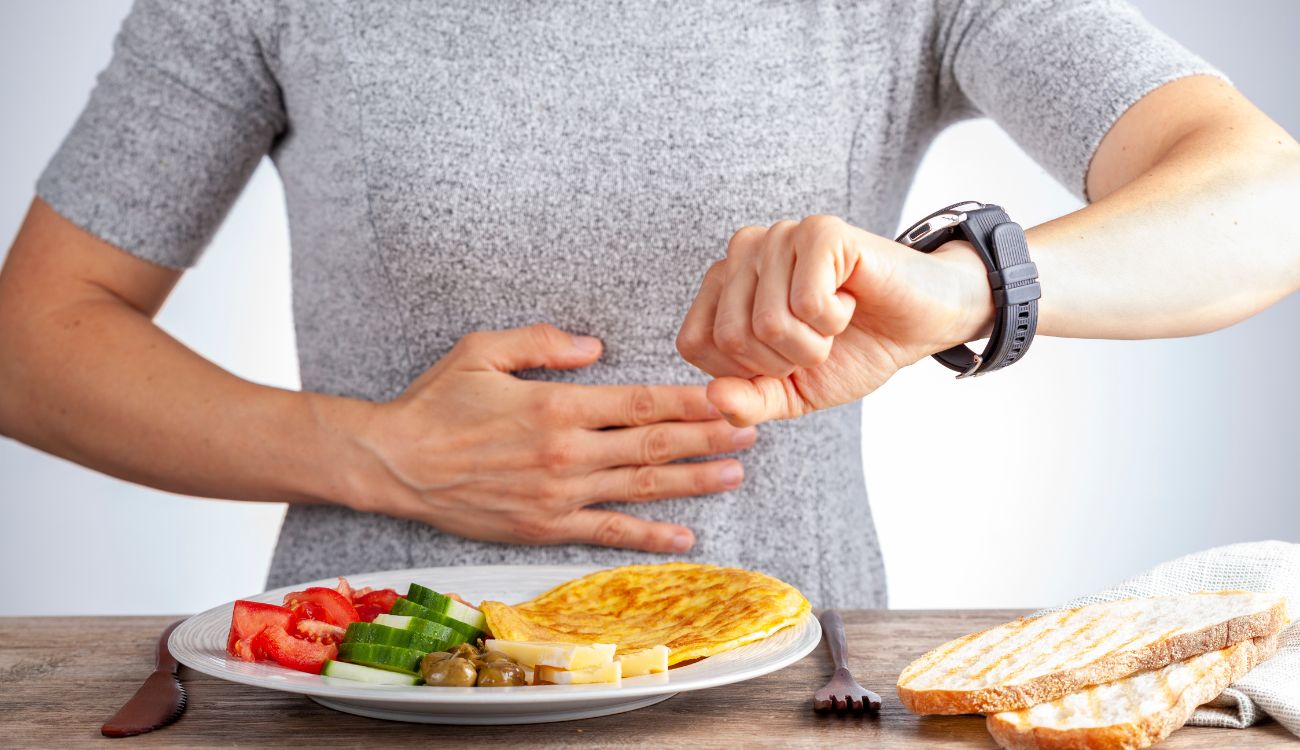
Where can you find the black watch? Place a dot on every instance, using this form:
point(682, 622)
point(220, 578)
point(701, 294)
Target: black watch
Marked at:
point(1001, 245)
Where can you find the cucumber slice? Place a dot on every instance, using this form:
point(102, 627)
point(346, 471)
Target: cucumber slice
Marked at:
point(384, 635)
point(445, 605)
point(429, 629)
point(346, 671)
point(408, 608)
point(389, 658)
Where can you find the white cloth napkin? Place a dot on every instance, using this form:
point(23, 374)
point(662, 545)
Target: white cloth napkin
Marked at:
point(1272, 688)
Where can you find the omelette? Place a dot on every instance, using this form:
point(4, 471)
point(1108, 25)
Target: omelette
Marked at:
point(695, 610)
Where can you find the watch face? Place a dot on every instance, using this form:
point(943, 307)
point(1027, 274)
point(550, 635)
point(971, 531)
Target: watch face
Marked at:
point(937, 228)
point(930, 233)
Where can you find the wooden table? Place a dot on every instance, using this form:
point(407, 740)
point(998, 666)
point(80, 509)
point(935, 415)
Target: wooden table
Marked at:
point(60, 678)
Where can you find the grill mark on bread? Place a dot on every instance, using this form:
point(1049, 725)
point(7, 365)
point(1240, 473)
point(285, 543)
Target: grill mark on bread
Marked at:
point(1025, 630)
point(1131, 695)
point(1124, 722)
point(1013, 630)
point(1202, 621)
point(1047, 653)
point(1062, 659)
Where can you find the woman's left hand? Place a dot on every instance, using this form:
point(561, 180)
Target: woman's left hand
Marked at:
point(816, 313)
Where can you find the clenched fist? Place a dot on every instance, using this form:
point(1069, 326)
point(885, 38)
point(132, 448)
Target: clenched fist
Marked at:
point(811, 314)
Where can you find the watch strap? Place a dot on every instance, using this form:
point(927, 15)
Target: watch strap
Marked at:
point(1013, 279)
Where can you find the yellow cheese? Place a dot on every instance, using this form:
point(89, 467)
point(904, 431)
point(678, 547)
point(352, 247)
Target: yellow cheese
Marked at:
point(607, 672)
point(561, 655)
point(645, 661)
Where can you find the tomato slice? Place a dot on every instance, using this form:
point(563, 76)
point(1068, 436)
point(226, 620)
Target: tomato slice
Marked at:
point(382, 598)
point(305, 611)
point(368, 612)
point(294, 653)
point(249, 619)
point(321, 632)
point(337, 610)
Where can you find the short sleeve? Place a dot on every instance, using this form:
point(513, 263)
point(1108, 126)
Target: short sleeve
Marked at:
point(1055, 74)
point(175, 126)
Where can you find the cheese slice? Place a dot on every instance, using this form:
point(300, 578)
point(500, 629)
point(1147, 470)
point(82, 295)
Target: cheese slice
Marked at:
point(645, 661)
point(560, 655)
point(607, 672)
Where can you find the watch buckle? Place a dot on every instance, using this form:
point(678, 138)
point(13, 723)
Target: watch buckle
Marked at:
point(974, 366)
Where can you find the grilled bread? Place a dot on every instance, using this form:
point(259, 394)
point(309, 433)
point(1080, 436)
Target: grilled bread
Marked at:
point(1040, 659)
point(1133, 712)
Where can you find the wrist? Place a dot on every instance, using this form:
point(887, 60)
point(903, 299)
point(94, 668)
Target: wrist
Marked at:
point(344, 471)
point(973, 295)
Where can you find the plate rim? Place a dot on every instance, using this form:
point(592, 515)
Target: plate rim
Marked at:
point(504, 697)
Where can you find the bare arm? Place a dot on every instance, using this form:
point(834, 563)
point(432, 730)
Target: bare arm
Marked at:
point(1190, 232)
point(85, 374)
point(1192, 226)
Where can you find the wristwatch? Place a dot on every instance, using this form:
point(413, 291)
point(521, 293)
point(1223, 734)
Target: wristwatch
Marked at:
point(1001, 244)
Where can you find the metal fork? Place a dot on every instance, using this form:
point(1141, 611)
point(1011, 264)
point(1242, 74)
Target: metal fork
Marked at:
point(842, 693)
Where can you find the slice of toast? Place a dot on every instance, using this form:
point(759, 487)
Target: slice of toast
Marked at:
point(1133, 712)
point(1039, 659)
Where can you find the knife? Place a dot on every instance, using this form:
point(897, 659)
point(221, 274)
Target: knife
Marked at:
point(159, 701)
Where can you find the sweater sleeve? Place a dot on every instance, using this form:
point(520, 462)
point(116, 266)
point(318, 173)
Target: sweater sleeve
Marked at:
point(174, 128)
point(1055, 74)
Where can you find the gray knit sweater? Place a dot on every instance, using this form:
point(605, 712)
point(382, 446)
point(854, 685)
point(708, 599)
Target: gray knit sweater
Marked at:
point(452, 167)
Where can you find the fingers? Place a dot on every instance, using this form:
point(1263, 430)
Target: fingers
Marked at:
point(662, 443)
point(540, 345)
point(814, 285)
point(733, 332)
point(611, 529)
point(643, 483)
point(695, 339)
point(634, 405)
point(773, 321)
point(749, 402)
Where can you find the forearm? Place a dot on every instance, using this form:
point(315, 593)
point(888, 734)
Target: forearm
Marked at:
point(95, 381)
point(1203, 240)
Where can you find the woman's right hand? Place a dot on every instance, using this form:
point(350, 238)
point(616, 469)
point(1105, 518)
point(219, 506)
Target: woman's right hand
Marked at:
point(477, 452)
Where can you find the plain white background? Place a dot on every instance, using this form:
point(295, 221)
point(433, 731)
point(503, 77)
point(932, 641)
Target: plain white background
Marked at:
point(1123, 453)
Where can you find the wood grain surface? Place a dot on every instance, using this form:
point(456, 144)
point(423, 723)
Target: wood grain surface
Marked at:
point(60, 678)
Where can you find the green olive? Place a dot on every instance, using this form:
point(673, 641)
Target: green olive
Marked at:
point(492, 657)
point(501, 674)
point(452, 671)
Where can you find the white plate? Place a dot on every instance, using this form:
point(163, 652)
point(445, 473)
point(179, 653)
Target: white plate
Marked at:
point(200, 643)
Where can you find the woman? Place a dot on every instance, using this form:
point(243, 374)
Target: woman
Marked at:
point(475, 192)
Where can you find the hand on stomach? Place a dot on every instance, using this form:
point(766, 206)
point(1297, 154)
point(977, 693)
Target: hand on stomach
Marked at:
point(475, 451)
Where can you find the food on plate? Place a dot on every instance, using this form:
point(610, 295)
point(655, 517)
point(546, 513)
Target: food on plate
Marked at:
point(468, 666)
point(611, 671)
point(446, 670)
point(424, 629)
point(415, 637)
point(302, 654)
point(695, 610)
point(358, 673)
point(645, 661)
point(559, 655)
point(391, 658)
point(1133, 712)
point(408, 608)
point(249, 619)
point(303, 633)
point(445, 605)
point(1040, 659)
point(625, 622)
